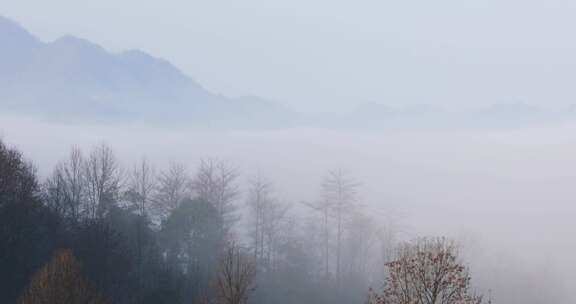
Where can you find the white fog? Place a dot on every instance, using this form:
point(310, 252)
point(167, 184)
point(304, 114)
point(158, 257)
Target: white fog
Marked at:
point(283, 152)
point(507, 195)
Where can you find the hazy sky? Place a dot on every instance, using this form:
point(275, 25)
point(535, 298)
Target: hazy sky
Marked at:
point(320, 54)
point(513, 189)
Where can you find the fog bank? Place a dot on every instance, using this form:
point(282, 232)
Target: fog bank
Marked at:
point(507, 195)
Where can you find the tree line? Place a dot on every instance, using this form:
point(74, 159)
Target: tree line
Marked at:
point(97, 232)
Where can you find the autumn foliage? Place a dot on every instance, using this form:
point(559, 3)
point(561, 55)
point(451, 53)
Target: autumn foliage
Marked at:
point(426, 271)
point(60, 282)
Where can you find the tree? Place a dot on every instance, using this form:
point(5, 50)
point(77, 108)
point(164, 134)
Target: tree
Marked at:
point(60, 282)
point(323, 207)
point(268, 216)
point(172, 189)
point(427, 271)
point(65, 190)
point(18, 182)
point(103, 180)
point(215, 182)
point(274, 224)
point(28, 230)
point(339, 193)
point(258, 197)
point(141, 189)
point(192, 241)
point(358, 245)
point(236, 277)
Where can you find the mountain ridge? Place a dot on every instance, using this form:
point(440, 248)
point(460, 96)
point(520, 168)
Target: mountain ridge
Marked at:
point(79, 78)
point(72, 79)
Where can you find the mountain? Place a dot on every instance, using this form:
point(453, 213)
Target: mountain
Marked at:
point(18, 47)
point(74, 79)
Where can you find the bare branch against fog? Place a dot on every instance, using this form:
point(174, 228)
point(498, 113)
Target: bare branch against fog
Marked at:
point(339, 192)
point(173, 187)
point(216, 182)
point(66, 187)
point(442, 115)
point(267, 217)
point(235, 280)
point(142, 186)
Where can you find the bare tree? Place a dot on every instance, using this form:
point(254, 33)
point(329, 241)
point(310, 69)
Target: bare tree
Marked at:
point(103, 180)
point(142, 186)
point(141, 190)
point(172, 188)
point(257, 199)
point(359, 244)
point(65, 189)
point(323, 208)
point(427, 271)
point(216, 182)
point(339, 194)
point(274, 223)
point(235, 279)
point(268, 215)
point(387, 236)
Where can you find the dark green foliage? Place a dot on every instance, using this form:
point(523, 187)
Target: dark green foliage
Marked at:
point(191, 237)
point(18, 183)
point(107, 246)
point(28, 230)
point(28, 235)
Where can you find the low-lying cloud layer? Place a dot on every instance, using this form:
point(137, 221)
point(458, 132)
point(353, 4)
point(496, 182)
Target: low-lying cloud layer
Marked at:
point(506, 195)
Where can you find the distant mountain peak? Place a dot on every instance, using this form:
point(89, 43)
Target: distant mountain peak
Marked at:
point(66, 77)
point(78, 44)
point(17, 47)
point(11, 32)
point(136, 56)
point(136, 53)
point(9, 24)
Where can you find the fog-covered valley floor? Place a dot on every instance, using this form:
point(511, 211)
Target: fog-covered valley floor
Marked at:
point(507, 195)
